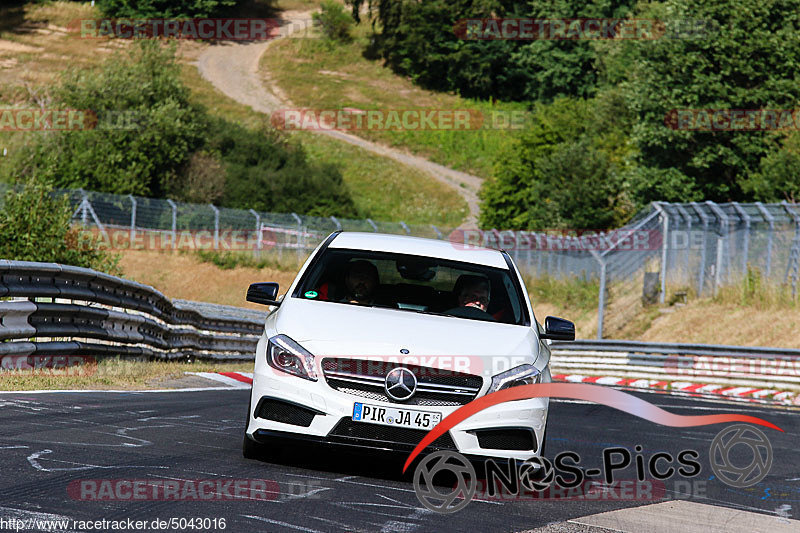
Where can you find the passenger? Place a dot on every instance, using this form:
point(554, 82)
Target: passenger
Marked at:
point(472, 294)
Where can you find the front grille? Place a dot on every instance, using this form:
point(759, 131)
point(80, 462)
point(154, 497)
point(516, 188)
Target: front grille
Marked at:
point(506, 439)
point(287, 413)
point(435, 387)
point(349, 430)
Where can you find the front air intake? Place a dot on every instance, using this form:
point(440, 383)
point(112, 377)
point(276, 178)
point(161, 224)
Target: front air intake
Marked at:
point(284, 412)
point(522, 439)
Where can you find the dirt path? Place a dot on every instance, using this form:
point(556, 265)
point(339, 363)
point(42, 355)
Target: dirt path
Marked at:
point(233, 68)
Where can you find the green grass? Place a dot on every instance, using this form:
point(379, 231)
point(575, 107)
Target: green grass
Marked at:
point(111, 373)
point(571, 294)
point(319, 74)
point(288, 262)
point(382, 188)
point(755, 291)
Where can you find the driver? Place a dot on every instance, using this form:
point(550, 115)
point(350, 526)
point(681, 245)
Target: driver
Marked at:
point(472, 294)
point(360, 281)
point(475, 293)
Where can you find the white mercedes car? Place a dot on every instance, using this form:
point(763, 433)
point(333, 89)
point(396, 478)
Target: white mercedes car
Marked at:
point(380, 337)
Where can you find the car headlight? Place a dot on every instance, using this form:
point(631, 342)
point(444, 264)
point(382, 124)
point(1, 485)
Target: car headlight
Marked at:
point(519, 375)
point(286, 355)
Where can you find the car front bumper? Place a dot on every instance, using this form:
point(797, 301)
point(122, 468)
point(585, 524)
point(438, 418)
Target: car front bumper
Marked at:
point(330, 412)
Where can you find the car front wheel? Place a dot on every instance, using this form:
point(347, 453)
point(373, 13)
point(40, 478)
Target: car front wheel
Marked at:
point(250, 448)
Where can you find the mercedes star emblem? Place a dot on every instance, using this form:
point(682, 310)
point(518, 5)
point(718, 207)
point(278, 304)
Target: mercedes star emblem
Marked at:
point(401, 383)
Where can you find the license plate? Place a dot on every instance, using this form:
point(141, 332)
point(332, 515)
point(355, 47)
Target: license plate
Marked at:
point(393, 416)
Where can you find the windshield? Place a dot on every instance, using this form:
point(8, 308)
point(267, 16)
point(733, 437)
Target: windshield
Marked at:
point(415, 284)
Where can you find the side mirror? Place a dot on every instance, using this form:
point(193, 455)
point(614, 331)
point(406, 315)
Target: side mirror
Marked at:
point(558, 329)
point(263, 293)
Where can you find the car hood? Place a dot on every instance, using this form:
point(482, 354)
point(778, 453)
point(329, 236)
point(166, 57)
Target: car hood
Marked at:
point(326, 328)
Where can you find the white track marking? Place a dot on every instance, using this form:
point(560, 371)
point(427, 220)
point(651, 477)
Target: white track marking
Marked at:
point(33, 459)
point(78, 391)
point(283, 524)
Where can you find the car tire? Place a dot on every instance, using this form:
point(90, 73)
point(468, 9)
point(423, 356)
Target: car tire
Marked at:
point(250, 448)
point(544, 441)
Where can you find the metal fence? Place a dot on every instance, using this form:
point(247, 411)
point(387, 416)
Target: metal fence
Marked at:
point(668, 248)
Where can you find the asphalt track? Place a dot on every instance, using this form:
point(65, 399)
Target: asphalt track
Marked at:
point(49, 440)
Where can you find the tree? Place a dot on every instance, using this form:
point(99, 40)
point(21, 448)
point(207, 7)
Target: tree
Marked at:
point(778, 177)
point(565, 170)
point(748, 61)
point(564, 67)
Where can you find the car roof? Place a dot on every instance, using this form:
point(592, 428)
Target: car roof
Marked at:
point(401, 244)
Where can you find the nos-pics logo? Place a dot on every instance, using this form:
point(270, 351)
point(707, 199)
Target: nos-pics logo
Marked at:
point(446, 481)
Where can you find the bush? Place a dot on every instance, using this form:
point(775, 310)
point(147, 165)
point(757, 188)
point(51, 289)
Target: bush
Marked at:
point(266, 174)
point(175, 149)
point(334, 22)
point(143, 160)
point(164, 8)
point(36, 226)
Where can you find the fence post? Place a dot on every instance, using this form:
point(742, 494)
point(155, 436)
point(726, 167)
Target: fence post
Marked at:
point(540, 255)
point(746, 239)
point(724, 230)
point(405, 227)
point(771, 221)
point(664, 250)
point(718, 264)
point(133, 219)
point(174, 223)
point(301, 238)
point(372, 223)
point(688, 218)
point(601, 297)
point(84, 211)
point(702, 274)
point(216, 226)
point(438, 233)
point(257, 251)
point(335, 221)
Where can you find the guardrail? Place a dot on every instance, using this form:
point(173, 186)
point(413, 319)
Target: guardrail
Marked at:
point(89, 313)
point(59, 310)
point(730, 365)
